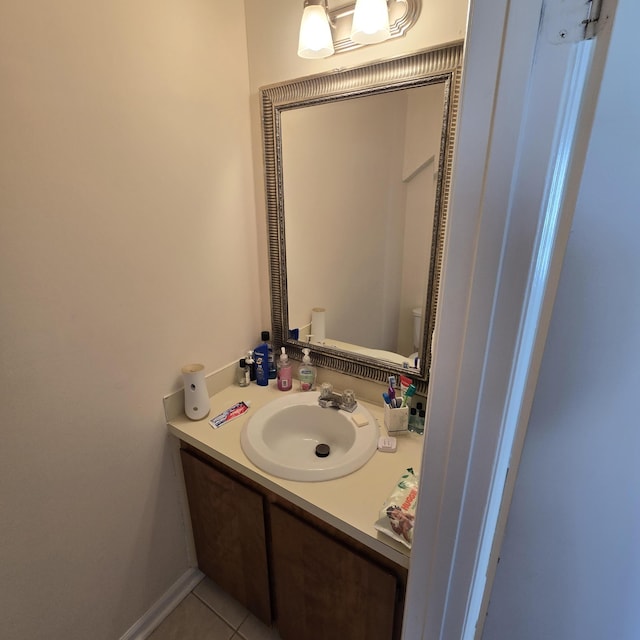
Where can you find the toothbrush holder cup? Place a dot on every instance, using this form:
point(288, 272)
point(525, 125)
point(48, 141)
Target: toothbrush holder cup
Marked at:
point(396, 420)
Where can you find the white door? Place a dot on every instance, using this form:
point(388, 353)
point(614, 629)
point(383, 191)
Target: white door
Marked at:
point(570, 562)
point(525, 115)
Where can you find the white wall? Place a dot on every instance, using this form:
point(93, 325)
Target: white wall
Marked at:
point(570, 563)
point(128, 249)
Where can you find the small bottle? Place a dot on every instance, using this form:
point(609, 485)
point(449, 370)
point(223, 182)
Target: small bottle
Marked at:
point(284, 372)
point(251, 365)
point(261, 357)
point(421, 420)
point(266, 338)
point(243, 376)
point(307, 373)
point(413, 419)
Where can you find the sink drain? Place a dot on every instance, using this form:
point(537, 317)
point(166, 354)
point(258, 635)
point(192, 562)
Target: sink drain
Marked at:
point(323, 450)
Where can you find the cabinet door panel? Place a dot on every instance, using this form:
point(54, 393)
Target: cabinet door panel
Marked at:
point(324, 590)
point(228, 531)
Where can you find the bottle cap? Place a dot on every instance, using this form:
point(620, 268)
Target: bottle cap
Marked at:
point(243, 363)
point(283, 355)
point(265, 335)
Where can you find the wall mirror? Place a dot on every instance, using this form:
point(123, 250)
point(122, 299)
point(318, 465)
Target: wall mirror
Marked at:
point(357, 175)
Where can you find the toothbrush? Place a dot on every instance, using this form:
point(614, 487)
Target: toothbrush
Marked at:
point(392, 385)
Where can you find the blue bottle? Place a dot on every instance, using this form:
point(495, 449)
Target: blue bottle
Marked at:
point(261, 364)
point(266, 337)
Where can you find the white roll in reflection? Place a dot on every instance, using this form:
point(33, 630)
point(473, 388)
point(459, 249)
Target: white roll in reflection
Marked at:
point(318, 324)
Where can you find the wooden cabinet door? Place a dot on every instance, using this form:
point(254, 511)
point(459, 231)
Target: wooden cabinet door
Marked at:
point(229, 535)
point(325, 590)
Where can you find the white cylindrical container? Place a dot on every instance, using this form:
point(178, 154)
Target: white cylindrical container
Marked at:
point(196, 397)
point(417, 327)
point(318, 324)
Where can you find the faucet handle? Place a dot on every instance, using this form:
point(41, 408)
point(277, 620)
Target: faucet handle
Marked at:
point(348, 398)
point(326, 390)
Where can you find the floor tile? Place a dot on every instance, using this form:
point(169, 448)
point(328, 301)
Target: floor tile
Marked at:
point(192, 620)
point(254, 629)
point(229, 609)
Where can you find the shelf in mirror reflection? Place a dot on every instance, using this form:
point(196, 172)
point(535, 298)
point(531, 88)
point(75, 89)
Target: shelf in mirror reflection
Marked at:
point(379, 354)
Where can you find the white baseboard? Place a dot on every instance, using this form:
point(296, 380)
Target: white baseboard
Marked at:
point(164, 605)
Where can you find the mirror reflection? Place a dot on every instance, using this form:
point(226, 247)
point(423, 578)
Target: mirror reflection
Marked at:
point(360, 175)
point(357, 175)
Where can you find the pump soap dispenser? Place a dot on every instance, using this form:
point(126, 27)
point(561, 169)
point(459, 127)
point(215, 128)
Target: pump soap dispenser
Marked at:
point(284, 371)
point(307, 373)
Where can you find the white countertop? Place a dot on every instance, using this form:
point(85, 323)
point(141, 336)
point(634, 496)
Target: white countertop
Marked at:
point(350, 504)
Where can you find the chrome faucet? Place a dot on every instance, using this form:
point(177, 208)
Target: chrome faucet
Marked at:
point(330, 398)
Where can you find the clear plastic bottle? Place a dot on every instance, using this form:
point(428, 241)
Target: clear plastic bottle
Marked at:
point(422, 416)
point(307, 373)
point(413, 419)
point(243, 376)
point(284, 372)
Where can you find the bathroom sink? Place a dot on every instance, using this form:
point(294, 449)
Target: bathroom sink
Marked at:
point(282, 439)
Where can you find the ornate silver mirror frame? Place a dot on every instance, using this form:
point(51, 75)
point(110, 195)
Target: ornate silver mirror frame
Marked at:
point(434, 66)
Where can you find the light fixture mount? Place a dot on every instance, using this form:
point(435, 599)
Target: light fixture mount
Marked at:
point(402, 16)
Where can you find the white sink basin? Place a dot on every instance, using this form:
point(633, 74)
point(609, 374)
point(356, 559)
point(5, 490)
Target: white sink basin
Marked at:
point(281, 439)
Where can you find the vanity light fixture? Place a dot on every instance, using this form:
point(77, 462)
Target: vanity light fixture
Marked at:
point(315, 31)
point(324, 32)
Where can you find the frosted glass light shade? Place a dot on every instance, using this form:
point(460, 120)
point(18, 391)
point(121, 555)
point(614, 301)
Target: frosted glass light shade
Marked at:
point(315, 33)
point(370, 22)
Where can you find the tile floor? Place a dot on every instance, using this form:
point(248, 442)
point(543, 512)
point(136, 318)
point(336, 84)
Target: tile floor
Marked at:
point(209, 613)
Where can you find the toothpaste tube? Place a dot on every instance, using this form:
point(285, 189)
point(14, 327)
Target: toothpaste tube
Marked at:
point(408, 394)
point(229, 414)
point(405, 383)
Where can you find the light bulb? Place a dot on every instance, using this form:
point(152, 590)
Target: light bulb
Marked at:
point(370, 22)
point(315, 33)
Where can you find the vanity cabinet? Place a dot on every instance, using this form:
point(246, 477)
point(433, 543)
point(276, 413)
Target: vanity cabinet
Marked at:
point(288, 567)
point(325, 590)
point(229, 534)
